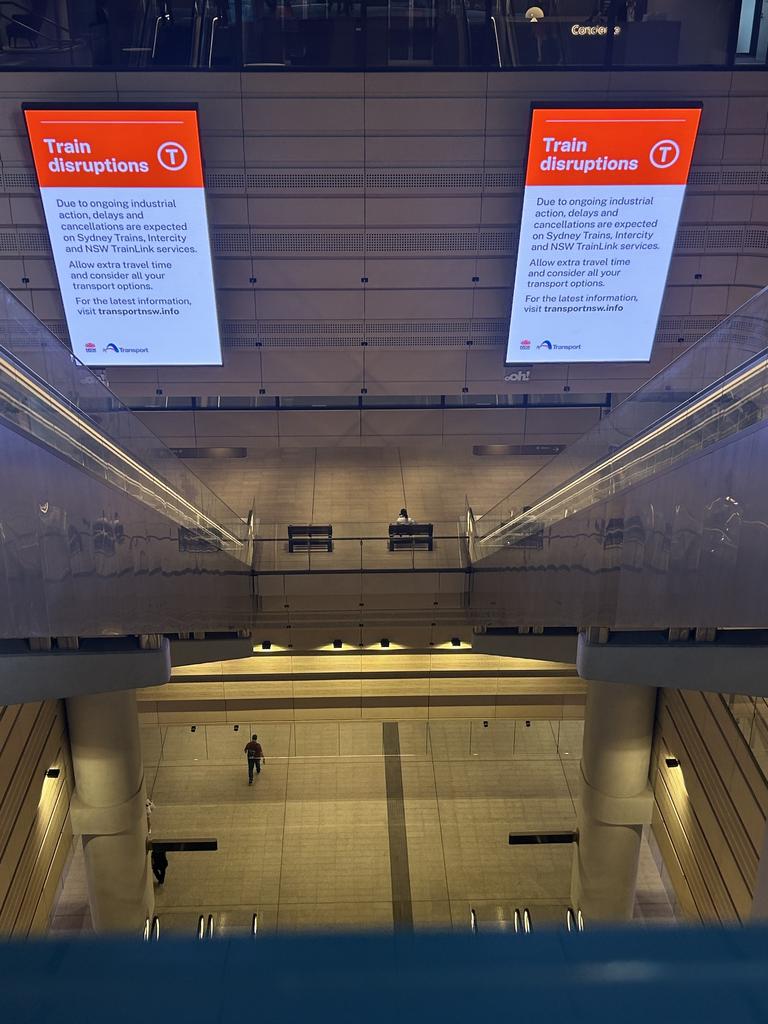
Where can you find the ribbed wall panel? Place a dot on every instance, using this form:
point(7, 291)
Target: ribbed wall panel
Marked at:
point(711, 810)
point(35, 835)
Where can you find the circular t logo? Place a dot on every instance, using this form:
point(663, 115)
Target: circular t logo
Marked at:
point(172, 156)
point(665, 154)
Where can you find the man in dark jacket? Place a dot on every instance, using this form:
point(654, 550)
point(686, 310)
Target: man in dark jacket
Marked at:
point(255, 756)
point(159, 861)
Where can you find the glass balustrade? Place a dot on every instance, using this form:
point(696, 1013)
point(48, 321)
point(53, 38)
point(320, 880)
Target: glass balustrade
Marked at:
point(380, 34)
point(47, 394)
point(715, 389)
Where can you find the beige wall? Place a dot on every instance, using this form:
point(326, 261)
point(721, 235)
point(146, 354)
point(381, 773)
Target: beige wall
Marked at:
point(710, 812)
point(35, 833)
point(370, 686)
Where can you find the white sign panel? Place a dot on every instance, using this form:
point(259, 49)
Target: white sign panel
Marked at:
point(124, 201)
point(603, 193)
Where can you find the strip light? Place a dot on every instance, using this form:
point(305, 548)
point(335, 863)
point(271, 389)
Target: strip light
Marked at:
point(619, 457)
point(147, 480)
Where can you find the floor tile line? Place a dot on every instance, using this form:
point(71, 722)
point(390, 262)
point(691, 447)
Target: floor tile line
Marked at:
point(442, 839)
point(402, 907)
point(282, 834)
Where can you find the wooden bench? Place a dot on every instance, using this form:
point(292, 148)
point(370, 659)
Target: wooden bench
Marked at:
point(410, 535)
point(305, 538)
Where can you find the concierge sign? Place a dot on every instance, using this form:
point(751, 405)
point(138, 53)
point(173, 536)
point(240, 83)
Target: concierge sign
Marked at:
point(124, 201)
point(603, 192)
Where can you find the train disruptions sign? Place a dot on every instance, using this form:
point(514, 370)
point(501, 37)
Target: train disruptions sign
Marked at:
point(124, 201)
point(603, 192)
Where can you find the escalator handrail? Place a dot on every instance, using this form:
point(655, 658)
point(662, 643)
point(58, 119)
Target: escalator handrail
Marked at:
point(147, 929)
point(214, 22)
point(155, 932)
point(517, 921)
point(473, 920)
point(527, 921)
point(165, 16)
point(210, 930)
point(201, 927)
point(496, 39)
point(255, 924)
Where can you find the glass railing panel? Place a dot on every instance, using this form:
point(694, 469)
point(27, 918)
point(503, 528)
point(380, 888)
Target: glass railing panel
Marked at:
point(51, 396)
point(614, 454)
point(358, 546)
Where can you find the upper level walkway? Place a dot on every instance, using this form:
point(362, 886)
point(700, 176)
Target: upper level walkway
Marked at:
point(381, 35)
point(654, 518)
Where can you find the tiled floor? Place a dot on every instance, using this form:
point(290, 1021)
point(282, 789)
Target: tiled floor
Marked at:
point(315, 842)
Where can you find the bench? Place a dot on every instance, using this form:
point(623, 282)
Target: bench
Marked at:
point(305, 538)
point(410, 535)
point(196, 540)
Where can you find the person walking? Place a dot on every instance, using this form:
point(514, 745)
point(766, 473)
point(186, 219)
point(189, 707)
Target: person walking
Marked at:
point(255, 755)
point(159, 862)
point(149, 807)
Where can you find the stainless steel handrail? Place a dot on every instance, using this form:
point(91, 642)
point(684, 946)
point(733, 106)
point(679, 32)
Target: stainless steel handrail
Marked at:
point(496, 39)
point(214, 22)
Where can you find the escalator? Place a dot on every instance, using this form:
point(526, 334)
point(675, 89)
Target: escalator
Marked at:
point(656, 516)
point(521, 923)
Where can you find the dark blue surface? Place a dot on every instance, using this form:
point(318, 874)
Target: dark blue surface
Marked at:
point(625, 975)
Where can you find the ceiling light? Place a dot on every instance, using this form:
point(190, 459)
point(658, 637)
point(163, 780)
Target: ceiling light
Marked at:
point(455, 641)
point(53, 773)
point(337, 645)
point(266, 645)
point(671, 762)
point(385, 642)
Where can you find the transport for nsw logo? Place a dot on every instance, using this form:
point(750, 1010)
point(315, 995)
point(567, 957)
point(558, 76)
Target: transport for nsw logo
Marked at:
point(112, 347)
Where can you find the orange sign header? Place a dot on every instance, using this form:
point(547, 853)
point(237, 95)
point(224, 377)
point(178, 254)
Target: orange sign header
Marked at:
point(612, 146)
point(116, 148)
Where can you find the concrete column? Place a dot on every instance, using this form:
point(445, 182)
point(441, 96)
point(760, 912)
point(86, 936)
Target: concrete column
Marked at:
point(615, 799)
point(108, 809)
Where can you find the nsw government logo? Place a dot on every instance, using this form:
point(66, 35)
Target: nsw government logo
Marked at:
point(90, 347)
point(525, 344)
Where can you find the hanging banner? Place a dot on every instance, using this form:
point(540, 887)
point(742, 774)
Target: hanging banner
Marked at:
point(603, 192)
point(124, 202)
